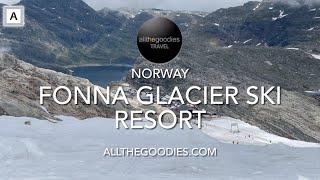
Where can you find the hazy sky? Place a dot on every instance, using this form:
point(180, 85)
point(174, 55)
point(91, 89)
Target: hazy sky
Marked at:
point(195, 5)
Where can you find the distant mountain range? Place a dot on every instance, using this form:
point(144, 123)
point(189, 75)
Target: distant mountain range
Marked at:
point(265, 23)
point(62, 33)
point(262, 44)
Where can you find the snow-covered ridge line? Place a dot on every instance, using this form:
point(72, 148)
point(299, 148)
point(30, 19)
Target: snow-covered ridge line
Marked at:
point(245, 42)
point(257, 7)
point(131, 13)
point(281, 15)
point(316, 56)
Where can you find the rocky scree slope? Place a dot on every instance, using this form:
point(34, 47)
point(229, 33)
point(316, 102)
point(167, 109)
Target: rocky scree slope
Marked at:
point(250, 45)
point(59, 34)
point(20, 88)
point(298, 117)
point(266, 23)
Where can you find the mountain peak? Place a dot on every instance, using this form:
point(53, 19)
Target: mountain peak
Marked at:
point(62, 4)
point(295, 2)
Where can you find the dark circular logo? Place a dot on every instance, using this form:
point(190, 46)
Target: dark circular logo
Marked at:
point(159, 40)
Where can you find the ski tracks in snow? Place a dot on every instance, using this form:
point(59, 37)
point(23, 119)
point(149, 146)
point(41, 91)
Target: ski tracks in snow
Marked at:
point(6, 158)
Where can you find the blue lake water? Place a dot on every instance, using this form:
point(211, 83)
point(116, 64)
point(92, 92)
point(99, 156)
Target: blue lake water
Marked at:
point(101, 75)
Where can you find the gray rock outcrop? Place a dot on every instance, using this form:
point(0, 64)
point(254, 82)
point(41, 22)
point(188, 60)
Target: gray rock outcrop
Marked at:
point(20, 90)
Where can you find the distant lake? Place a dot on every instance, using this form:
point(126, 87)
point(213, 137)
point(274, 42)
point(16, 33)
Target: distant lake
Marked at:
point(101, 75)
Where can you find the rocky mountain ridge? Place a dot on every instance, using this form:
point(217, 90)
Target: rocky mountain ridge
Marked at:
point(20, 84)
point(266, 23)
point(293, 70)
point(63, 33)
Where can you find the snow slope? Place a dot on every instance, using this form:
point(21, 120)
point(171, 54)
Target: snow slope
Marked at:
point(73, 149)
point(317, 56)
point(249, 135)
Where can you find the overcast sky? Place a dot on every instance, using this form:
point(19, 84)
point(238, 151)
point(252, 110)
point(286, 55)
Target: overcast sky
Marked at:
point(194, 5)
